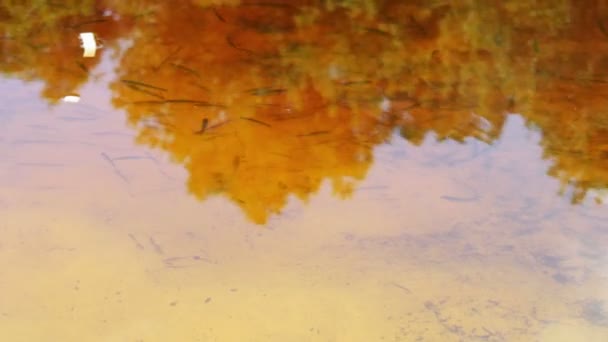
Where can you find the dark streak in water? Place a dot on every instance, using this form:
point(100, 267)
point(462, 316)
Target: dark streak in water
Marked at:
point(176, 101)
point(256, 121)
point(139, 245)
point(313, 134)
point(178, 49)
point(183, 262)
point(460, 199)
point(400, 287)
point(378, 32)
point(186, 69)
point(157, 248)
point(470, 197)
point(204, 125)
point(270, 4)
point(234, 46)
point(142, 84)
point(602, 27)
point(144, 91)
point(218, 15)
point(114, 167)
point(84, 23)
point(266, 91)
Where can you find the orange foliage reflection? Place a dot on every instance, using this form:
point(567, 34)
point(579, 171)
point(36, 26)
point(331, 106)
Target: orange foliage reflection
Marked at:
point(39, 40)
point(261, 100)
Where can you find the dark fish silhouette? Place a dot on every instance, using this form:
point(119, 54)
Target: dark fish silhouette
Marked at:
point(203, 126)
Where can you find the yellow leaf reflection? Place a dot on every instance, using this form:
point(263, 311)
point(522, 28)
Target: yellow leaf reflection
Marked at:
point(260, 102)
point(263, 100)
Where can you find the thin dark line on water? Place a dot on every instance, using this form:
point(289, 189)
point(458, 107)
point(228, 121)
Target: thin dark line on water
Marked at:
point(460, 199)
point(233, 45)
point(114, 167)
point(177, 50)
point(142, 84)
point(313, 134)
point(139, 245)
point(256, 121)
point(218, 15)
point(95, 21)
point(269, 4)
point(144, 91)
point(399, 286)
point(157, 248)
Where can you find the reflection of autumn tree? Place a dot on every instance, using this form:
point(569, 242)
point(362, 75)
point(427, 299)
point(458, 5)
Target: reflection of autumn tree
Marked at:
point(570, 105)
point(286, 94)
point(543, 60)
point(264, 75)
point(575, 134)
point(266, 136)
point(39, 41)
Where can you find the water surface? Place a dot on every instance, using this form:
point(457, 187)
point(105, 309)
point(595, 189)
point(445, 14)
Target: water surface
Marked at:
point(304, 171)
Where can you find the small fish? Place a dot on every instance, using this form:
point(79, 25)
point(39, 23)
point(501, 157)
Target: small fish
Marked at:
point(157, 248)
point(176, 101)
point(417, 25)
point(82, 67)
point(270, 4)
point(266, 91)
point(186, 69)
point(602, 28)
point(378, 32)
point(144, 91)
point(535, 46)
point(263, 26)
point(96, 21)
point(139, 245)
point(203, 126)
point(178, 49)
point(460, 199)
point(256, 121)
point(313, 133)
point(350, 83)
point(397, 285)
point(141, 84)
point(186, 261)
point(207, 104)
point(218, 15)
point(200, 86)
point(233, 45)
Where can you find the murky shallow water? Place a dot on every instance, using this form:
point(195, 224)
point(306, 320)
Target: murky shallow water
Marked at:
point(301, 172)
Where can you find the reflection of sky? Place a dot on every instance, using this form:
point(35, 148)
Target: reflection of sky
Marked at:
point(471, 222)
